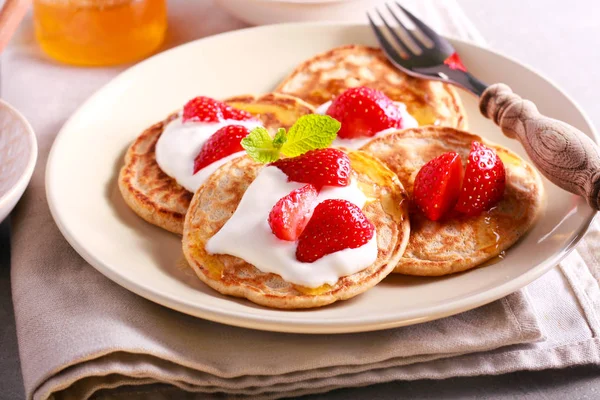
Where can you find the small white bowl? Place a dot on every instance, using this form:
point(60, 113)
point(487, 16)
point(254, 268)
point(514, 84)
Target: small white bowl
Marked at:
point(18, 154)
point(265, 12)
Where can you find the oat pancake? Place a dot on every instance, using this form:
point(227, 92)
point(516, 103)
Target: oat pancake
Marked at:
point(458, 243)
point(158, 198)
point(326, 75)
point(215, 202)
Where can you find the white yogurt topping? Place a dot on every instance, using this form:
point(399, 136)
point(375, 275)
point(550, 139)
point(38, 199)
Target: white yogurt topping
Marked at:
point(247, 234)
point(408, 121)
point(322, 109)
point(180, 143)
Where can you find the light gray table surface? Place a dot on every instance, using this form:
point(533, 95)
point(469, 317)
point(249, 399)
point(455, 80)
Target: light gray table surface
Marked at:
point(557, 37)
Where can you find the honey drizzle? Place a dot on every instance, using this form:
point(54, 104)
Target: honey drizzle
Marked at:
point(495, 259)
point(492, 239)
point(286, 117)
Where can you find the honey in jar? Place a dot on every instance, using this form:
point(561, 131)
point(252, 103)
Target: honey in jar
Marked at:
point(99, 32)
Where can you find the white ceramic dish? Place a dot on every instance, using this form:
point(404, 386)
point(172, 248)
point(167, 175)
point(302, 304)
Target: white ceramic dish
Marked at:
point(265, 12)
point(87, 206)
point(18, 154)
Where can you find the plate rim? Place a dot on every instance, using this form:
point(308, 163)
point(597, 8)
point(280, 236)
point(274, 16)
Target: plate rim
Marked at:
point(17, 190)
point(283, 324)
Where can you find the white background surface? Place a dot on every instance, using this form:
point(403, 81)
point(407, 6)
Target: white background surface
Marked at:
point(560, 39)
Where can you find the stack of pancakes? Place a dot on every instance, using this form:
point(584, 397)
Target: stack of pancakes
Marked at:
point(385, 168)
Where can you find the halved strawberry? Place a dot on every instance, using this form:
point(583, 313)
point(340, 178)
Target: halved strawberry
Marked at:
point(222, 143)
point(291, 213)
point(335, 225)
point(484, 181)
point(235, 113)
point(203, 109)
point(363, 112)
point(206, 109)
point(319, 167)
point(437, 185)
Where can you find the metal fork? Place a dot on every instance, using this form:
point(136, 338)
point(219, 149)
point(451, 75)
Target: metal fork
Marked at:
point(564, 154)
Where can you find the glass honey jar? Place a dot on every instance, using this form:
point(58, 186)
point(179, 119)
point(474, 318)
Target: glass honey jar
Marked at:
point(99, 32)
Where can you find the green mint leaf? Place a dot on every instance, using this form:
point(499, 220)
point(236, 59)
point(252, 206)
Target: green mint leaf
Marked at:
point(259, 146)
point(310, 132)
point(280, 138)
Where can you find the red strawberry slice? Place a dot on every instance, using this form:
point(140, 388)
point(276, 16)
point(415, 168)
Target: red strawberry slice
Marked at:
point(363, 112)
point(437, 185)
point(484, 181)
point(291, 213)
point(203, 109)
point(454, 62)
point(319, 167)
point(236, 114)
point(335, 225)
point(222, 143)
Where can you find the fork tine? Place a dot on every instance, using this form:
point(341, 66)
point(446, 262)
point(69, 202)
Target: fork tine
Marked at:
point(427, 31)
point(388, 48)
point(403, 46)
point(419, 43)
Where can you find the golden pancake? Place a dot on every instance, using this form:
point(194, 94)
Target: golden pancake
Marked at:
point(326, 75)
point(216, 201)
point(158, 198)
point(457, 242)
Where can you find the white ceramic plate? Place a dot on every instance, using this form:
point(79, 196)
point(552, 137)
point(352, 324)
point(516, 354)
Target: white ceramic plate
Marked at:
point(18, 154)
point(87, 206)
point(263, 12)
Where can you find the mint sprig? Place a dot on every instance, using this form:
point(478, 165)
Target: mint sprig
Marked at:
point(260, 146)
point(280, 138)
point(308, 133)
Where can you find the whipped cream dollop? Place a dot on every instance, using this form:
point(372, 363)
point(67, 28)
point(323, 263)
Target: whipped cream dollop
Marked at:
point(247, 234)
point(180, 143)
point(408, 121)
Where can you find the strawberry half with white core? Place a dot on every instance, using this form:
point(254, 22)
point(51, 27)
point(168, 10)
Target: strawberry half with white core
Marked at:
point(205, 109)
point(320, 167)
point(437, 185)
point(363, 112)
point(484, 182)
point(222, 143)
point(334, 226)
point(291, 213)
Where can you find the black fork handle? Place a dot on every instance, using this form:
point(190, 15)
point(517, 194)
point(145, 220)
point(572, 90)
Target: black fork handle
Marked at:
point(474, 85)
point(455, 76)
point(466, 81)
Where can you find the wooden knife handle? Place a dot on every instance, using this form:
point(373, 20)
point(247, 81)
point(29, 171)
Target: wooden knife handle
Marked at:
point(564, 154)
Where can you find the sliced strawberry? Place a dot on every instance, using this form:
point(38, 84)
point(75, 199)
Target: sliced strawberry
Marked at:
point(437, 185)
point(454, 62)
point(234, 113)
point(319, 167)
point(203, 109)
point(363, 112)
point(484, 181)
point(335, 225)
point(222, 143)
point(291, 213)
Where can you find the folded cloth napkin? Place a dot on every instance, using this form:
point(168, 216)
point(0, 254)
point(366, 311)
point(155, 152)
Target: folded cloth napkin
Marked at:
point(81, 335)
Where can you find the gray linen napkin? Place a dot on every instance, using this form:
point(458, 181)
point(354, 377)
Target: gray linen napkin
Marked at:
point(79, 333)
